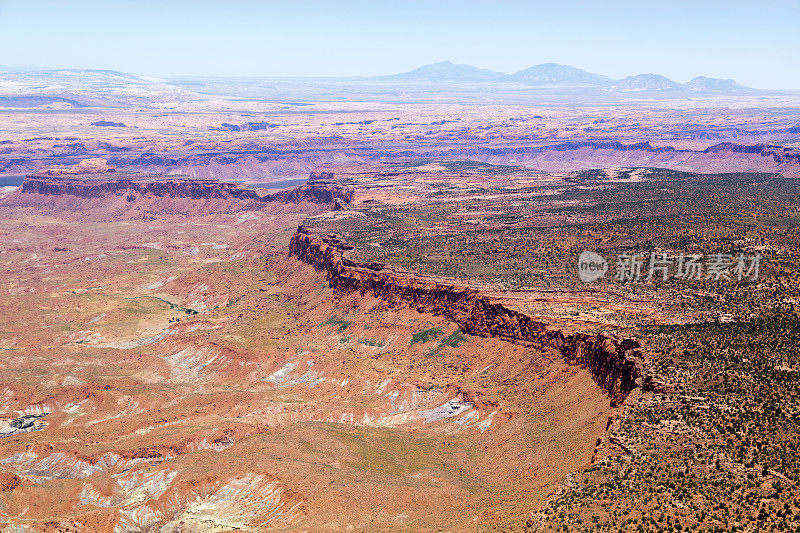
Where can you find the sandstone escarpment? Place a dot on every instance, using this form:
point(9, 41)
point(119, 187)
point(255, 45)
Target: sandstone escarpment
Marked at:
point(173, 193)
point(319, 192)
point(780, 154)
point(320, 188)
point(616, 365)
point(173, 187)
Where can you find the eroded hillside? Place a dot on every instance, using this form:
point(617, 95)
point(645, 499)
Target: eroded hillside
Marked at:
point(419, 355)
point(165, 371)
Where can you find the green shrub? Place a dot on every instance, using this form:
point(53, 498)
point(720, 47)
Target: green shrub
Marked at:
point(454, 340)
point(426, 335)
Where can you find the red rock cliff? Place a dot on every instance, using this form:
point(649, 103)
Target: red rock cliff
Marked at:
point(172, 187)
point(617, 366)
point(321, 191)
point(320, 188)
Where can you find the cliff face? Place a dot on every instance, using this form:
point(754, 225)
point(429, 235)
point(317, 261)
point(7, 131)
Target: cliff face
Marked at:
point(617, 366)
point(779, 154)
point(176, 188)
point(323, 192)
point(320, 188)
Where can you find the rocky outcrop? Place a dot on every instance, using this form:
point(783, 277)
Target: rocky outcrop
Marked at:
point(779, 154)
point(108, 123)
point(320, 188)
point(616, 365)
point(95, 165)
point(173, 187)
point(247, 126)
point(22, 424)
point(322, 191)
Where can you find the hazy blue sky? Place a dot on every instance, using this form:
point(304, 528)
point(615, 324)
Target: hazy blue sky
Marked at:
point(756, 43)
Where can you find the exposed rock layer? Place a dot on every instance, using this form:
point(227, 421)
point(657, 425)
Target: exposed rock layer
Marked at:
point(616, 365)
point(568, 155)
point(319, 191)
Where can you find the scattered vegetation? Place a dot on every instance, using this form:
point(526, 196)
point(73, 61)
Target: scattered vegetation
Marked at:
point(454, 340)
point(718, 451)
point(333, 321)
point(534, 241)
point(426, 335)
point(374, 343)
point(717, 446)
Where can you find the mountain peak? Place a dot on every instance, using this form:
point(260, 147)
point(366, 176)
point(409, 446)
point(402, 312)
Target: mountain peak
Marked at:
point(646, 82)
point(447, 71)
point(556, 74)
point(705, 84)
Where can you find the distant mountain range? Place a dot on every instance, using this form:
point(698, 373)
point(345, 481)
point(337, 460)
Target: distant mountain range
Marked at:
point(555, 75)
point(20, 87)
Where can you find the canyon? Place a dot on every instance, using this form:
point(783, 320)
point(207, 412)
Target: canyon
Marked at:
point(616, 365)
point(191, 353)
point(202, 377)
point(305, 305)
